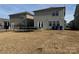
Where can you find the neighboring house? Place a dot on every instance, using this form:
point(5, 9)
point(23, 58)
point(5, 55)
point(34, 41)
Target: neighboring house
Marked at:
point(21, 20)
point(76, 17)
point(4, 23)
point(50, 18)
point(71, 24)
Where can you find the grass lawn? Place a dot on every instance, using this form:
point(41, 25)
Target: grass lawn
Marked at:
point(40, 41)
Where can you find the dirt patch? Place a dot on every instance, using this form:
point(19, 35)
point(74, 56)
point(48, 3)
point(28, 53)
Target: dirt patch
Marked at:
point(45, 41)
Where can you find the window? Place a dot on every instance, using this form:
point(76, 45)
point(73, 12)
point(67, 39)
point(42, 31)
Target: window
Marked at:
point(50, 23)
point(58, 24)
point(53, 14)
point(42, 24)
point(56, 13)
point(39, 24)
point(54, 23)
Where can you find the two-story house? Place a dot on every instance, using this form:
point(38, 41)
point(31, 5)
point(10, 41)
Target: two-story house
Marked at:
point(50, 18)
point(21, 20)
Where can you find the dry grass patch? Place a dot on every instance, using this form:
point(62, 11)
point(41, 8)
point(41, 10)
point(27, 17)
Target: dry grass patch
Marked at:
point(45, 41)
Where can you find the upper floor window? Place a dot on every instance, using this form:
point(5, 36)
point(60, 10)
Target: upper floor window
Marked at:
point(56, 13)
point(53, 14)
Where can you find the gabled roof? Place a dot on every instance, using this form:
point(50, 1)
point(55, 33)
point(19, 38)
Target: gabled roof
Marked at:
point(24, 13)
point(49, 8)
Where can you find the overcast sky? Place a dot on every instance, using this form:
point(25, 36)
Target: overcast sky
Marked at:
point(6, 9)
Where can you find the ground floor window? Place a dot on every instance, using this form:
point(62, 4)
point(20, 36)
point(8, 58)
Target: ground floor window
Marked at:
point(39, 24)
point(42, 24)
point(50, 23)
point(55, 25)
point(58, 23)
